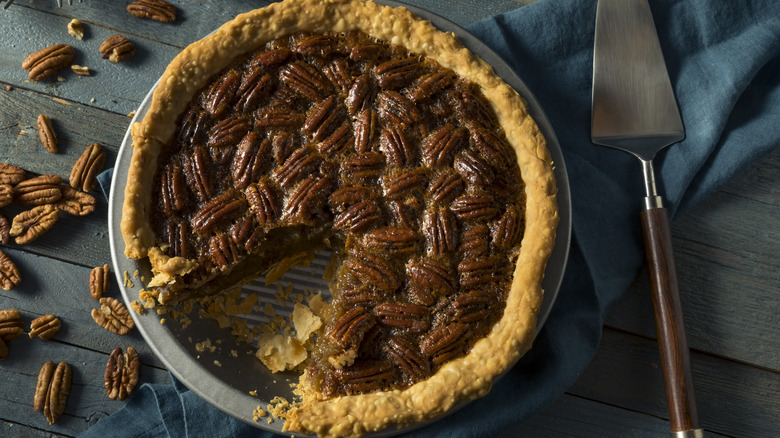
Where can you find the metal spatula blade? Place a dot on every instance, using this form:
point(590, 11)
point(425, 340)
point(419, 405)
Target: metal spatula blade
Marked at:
point(634, 109)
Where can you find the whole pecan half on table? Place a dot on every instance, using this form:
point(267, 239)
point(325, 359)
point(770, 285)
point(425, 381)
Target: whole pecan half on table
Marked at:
point(113, 316)
point(9, 273)
point(48, 61)
point(10, 324)
point(157, 10)
point(44, 327)
point(31, 224)
point(87, 167)
point(99, 281)
point(117, 48)
point(43, 189)
point(12, 175)
point(121, 373)
point(47, 134)
point(51, 392)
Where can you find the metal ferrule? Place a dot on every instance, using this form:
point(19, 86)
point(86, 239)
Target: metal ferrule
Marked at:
point(692, 433)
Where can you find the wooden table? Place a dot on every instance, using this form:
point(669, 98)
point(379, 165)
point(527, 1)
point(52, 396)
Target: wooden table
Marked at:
point(727, 250)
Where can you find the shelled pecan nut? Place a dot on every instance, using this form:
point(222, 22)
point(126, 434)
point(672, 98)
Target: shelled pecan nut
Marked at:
point(99, 281)
point(31, 224)
point(48, 61)
point(87, 167)
point(10, 174)
point(75, 202)
point(10, 324)
point(9, 273)
point(349, 329)
point(117, 48)
point(410, 317)
point(408, 358)
point(5, 230)
point(52, 389)
point(157, 10)
point(220, 209)
point(6, 194)
point(43, 189)
point(76, 29)
point(395, 239)
point(44, 327)
point(113, 316)
point(81, 70)
point(121, 373)
point(47, 134)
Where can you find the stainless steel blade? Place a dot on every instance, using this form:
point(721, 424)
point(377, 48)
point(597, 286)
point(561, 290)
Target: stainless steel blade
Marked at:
point(634, 107)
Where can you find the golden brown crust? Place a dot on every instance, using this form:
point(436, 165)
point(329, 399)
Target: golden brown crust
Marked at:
point(458, 381)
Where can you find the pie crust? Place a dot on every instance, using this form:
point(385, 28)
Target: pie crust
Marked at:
point(457, 381)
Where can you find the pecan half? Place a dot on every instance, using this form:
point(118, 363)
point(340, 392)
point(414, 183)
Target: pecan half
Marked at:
point(157, 10)
point(117, 48)
point(366, 51)
point(173, 189)
point(473, 108)
point(229, 132)
point(339, 75)
point(47, 134)
point(396, 146)
point(431, 275)
point(365, 165)
point(474, 207)
point(52, 389)
point(405, 183)
point(278, 118)
point(262, 202)
point(445, 342)
point(31, 224)
point(440, 146)
point(193, 127)
point(408, 358)
point(221, 94)
point(364, 128)
point(43, 189)
point(6, 194)
point(476, 272)
point(473, 168)
point(347, 196)
point(176, 236)
point(475, 242)
point(357, 217)
point(99, 281)
point(361, 95)
point(10, 174)
point(373, 270)
point(75, 202)
point(360, 296)
point(493, 148)
point(113, 316)
point(364, 376)
point(472, 306)
point(398, 73)
point(250, 159)
point(439, 229)
point(509, 228)
point(398, 109)
point(446, 186)
point(308, 199)
point(5, 230)
point(295, 167)
point(349, 328)
point(271, 57)
point(253, 89)
point(323, 118)
point(247, 234)
point(306, 80)
point(431, 84)
point(44, 327)
point(316, 45)
point(223, 251)
point(121, 373)
point(283, 145)
point(11, 325)
point(220, 209)
point(197, 166)
point(48, 61)
point(407, 317)
point(394, 239)
point(88, 166)
point(9, 273)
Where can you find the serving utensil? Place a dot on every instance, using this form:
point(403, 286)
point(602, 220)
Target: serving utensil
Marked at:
point(634, 110)
point(7, 3)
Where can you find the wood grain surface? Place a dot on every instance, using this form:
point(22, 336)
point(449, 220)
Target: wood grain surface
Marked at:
point(726, 250)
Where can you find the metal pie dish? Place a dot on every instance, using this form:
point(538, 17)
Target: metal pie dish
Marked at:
point(225, 377)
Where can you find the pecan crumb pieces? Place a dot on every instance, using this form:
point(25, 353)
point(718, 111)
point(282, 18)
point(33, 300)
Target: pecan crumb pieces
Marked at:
point(76, 29)
point(80, 70)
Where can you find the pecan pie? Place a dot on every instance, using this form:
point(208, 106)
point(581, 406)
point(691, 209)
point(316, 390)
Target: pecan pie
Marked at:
point(360, 128)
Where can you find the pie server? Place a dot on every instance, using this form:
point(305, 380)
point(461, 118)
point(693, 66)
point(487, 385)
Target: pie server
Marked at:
point(634, 110)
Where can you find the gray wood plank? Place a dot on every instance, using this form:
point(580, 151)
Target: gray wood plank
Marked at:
point(726, 251)
point(9, 429)
point(734, 399)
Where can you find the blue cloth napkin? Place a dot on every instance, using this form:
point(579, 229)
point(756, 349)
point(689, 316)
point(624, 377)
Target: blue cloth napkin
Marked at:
point(724, 62)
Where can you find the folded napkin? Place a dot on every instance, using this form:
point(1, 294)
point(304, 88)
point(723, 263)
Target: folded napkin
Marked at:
point(723, 59)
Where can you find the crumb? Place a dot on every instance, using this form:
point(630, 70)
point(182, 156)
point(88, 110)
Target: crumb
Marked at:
point(128, 281)
point(92, 100)
point(254, 393)
point(138, 307)
point(131, 114)
point(217, 363)
point(8, 88)
point(280, 352)
point(269, 310)
point(234, 353)
point(61, 79)
point(162, 320)
point(57, 99)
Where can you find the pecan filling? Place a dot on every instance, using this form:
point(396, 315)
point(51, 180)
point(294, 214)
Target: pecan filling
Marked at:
point(396, 162)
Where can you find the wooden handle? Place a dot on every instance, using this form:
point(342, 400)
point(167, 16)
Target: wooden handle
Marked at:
point(672, 343)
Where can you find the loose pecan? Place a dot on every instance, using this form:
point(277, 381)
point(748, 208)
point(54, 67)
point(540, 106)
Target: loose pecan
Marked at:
point(476, 272)
point(113, 316)
point(88, 166)
point(394, 239)
point(99, 281)
point(347, 196)
point(10, 174)
point(444, 342)
point(475, 242)
point(229, 131)
point(48, 61)
point(43, 189)
point(80, 70)
point(407, 317)
point(396, 146)
point(197, 171)
point(445, 187)
point(439, 229)
point(250, 159)
point(300, 163)
point(11, 325)
point(306, 80)
point(362, 166)
point(47, 134)
point(364, 376)
point(76, 29)
point(364, 128)
point(5, 230)
point(349, 328)
point(6, 194)
point(75, 202)
point(223, 251)
point(52, 389)
point(157, 10)
point(31, 224)
point(398, 109)
point(373, 270)
point(361, 95)
point(431, 84)
point(440, 146)
point(316, 45)
point(9, 273)
point(408, 358)
point(218, 210)
point(398, 73)
point(121, 373)
point(509, 228)
point(44, 327)
point(308, 199)
point(221, 93)
point(117, 48)
point(473, 168)
point(357, 217)
point(472, 306)
point(431, 275)
point(405, 183)
point(262, 202)
point(474, 207)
